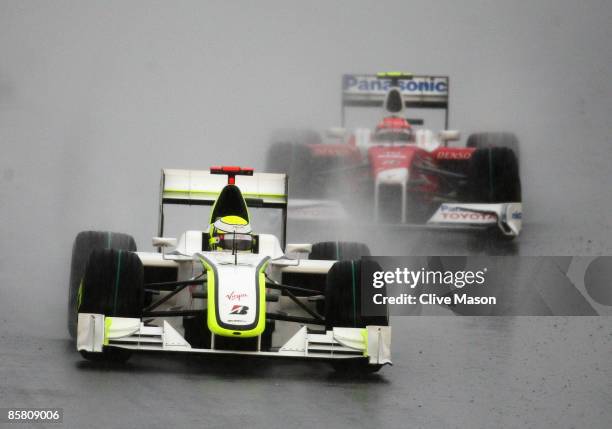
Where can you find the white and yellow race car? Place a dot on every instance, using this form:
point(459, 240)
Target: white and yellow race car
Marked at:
point(225, 289)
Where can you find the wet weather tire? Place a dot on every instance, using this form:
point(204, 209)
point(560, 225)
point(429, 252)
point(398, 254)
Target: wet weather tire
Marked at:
point(290, 155)
point(84, 243)
point(493, 176)
point(297, 161)
point(343, 296)
point(113, 285)
point(343, 308)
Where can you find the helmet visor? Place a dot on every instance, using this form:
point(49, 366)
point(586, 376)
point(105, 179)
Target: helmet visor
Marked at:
point(241, 242)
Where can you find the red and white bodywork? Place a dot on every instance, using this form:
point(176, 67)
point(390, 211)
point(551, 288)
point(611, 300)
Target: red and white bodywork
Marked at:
point(419, 165)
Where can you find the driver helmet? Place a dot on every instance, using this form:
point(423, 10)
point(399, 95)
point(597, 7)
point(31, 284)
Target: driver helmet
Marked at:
point(394, 128)
point(230, 233)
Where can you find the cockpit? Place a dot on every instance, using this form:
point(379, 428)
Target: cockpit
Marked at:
point(393, 130)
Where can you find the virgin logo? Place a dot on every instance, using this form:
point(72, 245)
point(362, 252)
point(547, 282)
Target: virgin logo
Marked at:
point(233, 296)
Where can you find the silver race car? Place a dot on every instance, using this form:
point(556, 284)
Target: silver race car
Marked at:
point(225, 289)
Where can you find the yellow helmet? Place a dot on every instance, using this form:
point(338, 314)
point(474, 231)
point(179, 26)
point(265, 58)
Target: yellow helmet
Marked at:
point(230, 233)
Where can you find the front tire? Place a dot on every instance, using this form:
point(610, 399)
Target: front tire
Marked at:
point(84, 243)
point(113, 285)
point(343, 292)
point(343, 308)
point(493, 176)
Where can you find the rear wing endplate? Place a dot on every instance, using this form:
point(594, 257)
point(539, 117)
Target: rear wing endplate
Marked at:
point(199, 187)
point(420, 91)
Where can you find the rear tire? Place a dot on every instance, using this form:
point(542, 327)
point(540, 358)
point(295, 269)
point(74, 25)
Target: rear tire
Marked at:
point(290, 155)
point(113, 285)
point(298, 136)
point(301, 166)
point(338, 250)
point(84, 243)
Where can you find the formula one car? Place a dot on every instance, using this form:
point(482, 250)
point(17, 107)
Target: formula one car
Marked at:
point(225, 289)
point(409, 176)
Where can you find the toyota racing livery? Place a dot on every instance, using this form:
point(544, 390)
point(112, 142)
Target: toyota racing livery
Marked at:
point(402, 171)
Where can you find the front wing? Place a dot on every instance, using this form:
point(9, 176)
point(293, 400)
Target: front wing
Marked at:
point(506, 216)
point(95, 331)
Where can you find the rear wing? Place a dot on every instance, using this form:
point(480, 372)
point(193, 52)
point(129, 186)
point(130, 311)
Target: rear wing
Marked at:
point(420, 91)
point(198, 187)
